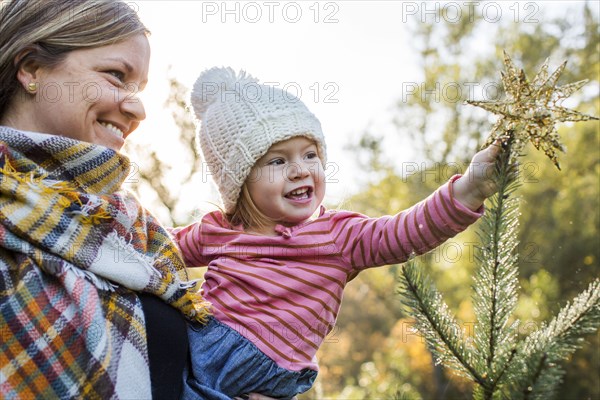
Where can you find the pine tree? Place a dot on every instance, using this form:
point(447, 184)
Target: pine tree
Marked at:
point(496, 359)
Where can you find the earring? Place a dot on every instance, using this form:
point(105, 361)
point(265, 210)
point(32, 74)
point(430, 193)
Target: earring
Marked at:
point(32, 87)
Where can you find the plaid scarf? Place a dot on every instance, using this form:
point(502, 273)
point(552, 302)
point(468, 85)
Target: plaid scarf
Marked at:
point(71, 242)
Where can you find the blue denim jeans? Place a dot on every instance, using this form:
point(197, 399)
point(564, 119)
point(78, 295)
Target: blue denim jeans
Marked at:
point(224, 364)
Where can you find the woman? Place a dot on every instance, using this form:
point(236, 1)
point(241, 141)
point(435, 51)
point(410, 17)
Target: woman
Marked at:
point(70, 238)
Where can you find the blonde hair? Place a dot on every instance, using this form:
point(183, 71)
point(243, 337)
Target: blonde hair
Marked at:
point(246, 213)
point(47, 30)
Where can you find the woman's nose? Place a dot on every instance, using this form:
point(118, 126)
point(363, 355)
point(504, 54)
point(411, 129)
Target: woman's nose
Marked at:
point(133, 107)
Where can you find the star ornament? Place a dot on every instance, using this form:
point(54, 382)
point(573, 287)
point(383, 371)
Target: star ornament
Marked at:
point(531, 110)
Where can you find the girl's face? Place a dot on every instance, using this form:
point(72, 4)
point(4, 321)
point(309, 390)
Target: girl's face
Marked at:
point(288, 183)
point(92, 94)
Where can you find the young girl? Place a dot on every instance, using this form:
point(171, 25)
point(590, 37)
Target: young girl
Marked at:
point(276, 274)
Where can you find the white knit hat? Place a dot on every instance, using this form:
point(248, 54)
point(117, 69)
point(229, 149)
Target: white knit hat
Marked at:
point(240, 120)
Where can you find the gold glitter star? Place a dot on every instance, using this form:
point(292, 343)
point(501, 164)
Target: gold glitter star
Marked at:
point(531, 110)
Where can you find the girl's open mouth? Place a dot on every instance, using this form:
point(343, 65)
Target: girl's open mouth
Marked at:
point(302, 193)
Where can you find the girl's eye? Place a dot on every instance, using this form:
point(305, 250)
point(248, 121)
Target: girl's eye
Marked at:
point(277, 161)
point(312, 155)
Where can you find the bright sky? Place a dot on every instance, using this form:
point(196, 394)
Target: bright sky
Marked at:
point(347, 60)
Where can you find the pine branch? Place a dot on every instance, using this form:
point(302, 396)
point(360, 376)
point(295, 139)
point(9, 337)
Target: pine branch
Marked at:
point(433, 320)
point(536, 372)
point(500, 367)
point(495, 283)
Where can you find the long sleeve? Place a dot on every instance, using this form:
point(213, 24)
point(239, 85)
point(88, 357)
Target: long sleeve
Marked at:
point(188, 240)
point(202, 241)
point(369, 242)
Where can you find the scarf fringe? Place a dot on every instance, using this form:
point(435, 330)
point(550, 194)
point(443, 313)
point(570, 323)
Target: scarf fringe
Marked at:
point(69, 196)
point(90, 212)
point(189, 284)
point(119, 242)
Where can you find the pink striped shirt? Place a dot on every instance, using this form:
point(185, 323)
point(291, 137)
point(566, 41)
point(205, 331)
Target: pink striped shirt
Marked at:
point(283, 292)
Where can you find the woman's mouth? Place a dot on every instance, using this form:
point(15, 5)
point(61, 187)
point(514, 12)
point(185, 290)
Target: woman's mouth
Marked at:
point(116, 131)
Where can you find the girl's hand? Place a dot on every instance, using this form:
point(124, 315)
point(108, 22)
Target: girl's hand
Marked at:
point(478, 183)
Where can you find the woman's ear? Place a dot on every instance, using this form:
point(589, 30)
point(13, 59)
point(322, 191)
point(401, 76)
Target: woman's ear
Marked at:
point(28, 68)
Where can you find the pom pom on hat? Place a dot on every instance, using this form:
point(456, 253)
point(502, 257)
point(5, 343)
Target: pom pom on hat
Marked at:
point(238, 125)
point(213, 83)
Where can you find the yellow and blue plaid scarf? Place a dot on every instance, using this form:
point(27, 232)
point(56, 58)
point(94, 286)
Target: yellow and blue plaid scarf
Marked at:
point(71, 242)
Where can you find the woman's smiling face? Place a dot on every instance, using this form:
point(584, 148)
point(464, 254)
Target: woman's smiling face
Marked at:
point(92, 94)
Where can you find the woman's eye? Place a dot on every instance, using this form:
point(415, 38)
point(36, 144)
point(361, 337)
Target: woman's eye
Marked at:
point(117, 74)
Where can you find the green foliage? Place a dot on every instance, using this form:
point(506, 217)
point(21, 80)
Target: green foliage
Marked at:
point(536, 371)
point(495, 286)
point(560, 218)
point(496, 362)
point(559, 222)
point(560, 215)
point(434, 321)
